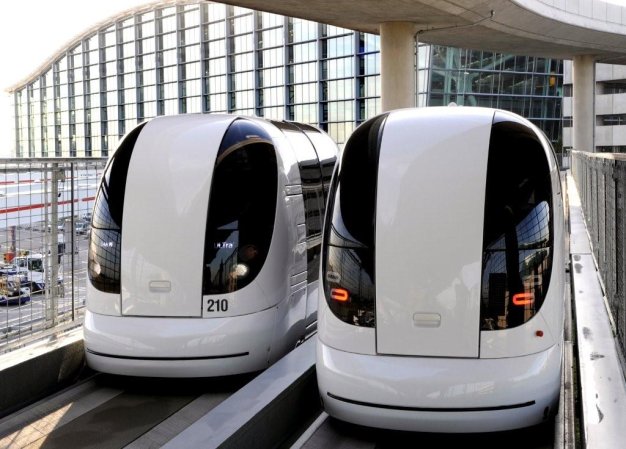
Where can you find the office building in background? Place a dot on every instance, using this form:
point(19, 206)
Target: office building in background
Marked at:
point(526, 85)
point(610, 108)
point(197, 56)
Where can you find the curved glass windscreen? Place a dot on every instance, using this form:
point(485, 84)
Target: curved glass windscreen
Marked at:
point(349, 234)
point(242, 209)
point(517, 241)
point(104, 257)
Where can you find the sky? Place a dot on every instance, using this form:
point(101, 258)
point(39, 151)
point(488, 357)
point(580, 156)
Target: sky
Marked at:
point(33, 30)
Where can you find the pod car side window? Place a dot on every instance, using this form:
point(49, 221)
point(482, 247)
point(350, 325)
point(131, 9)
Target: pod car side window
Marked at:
point(349, 232)
point(518, 235)
point(312, 193)
point(104, 257)
point(242, 209)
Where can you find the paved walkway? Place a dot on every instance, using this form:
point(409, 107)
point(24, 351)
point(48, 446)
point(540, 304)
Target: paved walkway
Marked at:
point(603, 386)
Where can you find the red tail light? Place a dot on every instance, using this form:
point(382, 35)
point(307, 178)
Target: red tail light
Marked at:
point(339, 294)
point(522, 299)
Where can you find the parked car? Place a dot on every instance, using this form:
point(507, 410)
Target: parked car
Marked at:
point(60, 226)
point(12, 291)
point(82, 227)
point(32, 267)
point(10, 270)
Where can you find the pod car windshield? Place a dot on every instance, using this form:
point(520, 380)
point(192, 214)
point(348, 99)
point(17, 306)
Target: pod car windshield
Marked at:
point(349, 233)
point(517, 241)
point(104, 257)
point(242, 206)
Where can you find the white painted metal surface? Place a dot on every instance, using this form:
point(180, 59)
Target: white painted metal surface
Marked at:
point(338, 334)
point(102, 303)
point(429, 229)
point(165, 208)
point(438, 394)
point(168, 347)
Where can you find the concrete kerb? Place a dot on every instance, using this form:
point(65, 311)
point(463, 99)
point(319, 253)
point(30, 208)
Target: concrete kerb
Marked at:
point(564, 424)
point(32, 372)
point(603, 386)
point(265, 411)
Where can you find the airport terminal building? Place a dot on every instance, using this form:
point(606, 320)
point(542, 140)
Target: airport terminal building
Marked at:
point(178, 57)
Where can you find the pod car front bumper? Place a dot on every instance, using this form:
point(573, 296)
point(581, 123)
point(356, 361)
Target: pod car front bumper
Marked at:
point(178, 347)
point(432, 394)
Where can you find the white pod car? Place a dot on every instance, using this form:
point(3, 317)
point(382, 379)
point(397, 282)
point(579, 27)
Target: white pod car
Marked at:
point(205, 245)
point(443, 274)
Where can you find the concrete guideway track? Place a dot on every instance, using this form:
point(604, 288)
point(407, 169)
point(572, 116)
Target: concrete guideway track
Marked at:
point(114, 412)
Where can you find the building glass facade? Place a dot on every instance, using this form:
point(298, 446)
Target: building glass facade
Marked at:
point(198, 56)
point(529, 86)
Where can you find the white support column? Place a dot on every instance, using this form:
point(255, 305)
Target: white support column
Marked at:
point(584, 110)
point(397, 65)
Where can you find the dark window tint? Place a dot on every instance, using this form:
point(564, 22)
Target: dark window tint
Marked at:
point(326, 154)
point(310, 175)
point(325, 150)
point(517, 242)
point(313, 197)
point(242, 207)
point(104, 259)
point(312, 192)
point(327, 166)
point(349, 235)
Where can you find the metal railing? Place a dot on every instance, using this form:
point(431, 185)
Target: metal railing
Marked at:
point(45, 210)
point(601, 181)
point(563, 160)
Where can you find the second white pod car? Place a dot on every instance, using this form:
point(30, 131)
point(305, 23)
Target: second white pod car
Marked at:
point(443, 271)
point(204, 246)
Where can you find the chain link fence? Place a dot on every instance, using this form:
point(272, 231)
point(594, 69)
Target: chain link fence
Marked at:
point(601, 181)
point(45, 211)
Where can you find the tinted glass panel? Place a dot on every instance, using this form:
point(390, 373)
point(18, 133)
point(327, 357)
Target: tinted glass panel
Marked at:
point(517, 243)
point(242, 207)
point(349, 235)
point(313, 196)
point(310, 175)
point(312, 193)
point(326, 153)
point(104, 258)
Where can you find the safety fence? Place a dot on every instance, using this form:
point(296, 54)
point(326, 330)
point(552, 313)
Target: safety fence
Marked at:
point(45, 214)
point(563, 160)
point(601, 182)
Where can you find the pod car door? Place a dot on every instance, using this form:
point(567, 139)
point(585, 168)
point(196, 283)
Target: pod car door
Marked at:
point(165, 210)
point(429, 230)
